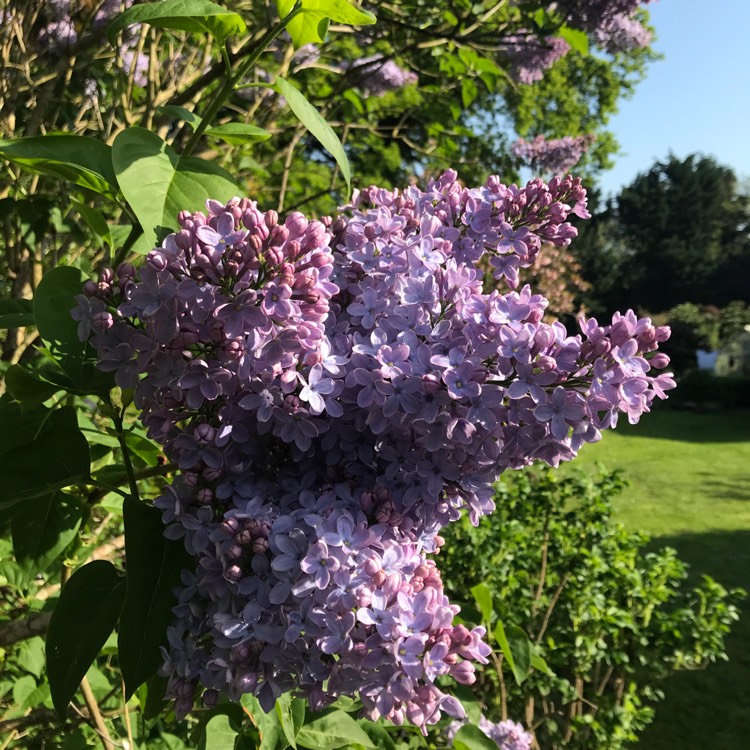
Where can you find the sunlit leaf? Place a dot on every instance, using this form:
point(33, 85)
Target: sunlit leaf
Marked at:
point(312, 120)
point(199, 16)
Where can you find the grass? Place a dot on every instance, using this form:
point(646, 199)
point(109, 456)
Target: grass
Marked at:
point(689, 488)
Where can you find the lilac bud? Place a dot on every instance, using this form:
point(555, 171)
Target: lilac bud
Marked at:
point(157, 260)
point(659, 360)
point(271, 219)
point(234, 573)
point(663, 333)
point(90, 289)
point(183, 239)
point(204, 433)
point(296, 223)
point(602, 347)
point(279, 235)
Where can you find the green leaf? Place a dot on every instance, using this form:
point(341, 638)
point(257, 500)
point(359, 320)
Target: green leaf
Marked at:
point(78, 159)
point(520, 647)
point(95, 221)
point(26, 388)
point(199, 16)
point(540, 664)
point(311, 119)
point(30, 656)
point(153, 571)
point(56, 457)
point(23, 688)
point(152, 698)
point(16, 313)
point(219, 734)
point(272, 735)
point(502, 641)
point(483, 597)
point(158, 183)
point(239, 133)
point(471, 737)
point(180, 113)
point(378, 734)
point(120, 232)
point(306, 28)
point(53, 302)
point(469, 91)
point(330, 730)
point(469, 701)
point(19, 427)
point(576, 39)
point(42, 528)
point(286, 716)
point(82, 620)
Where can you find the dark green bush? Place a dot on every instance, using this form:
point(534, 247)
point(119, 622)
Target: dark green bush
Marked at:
point(609, 618)
point(700, 388)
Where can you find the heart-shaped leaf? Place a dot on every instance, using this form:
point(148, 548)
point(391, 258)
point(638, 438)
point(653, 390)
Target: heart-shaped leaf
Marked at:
point(158, 183)
point(306, 28)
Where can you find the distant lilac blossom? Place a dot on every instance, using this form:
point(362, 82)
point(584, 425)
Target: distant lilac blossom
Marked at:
point(553, 156)
point(378, 75)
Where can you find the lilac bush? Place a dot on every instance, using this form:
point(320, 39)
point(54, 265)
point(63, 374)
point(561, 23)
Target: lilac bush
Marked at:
point(334, 393)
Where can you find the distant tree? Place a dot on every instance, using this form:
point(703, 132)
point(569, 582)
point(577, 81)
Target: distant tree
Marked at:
point(681, 233)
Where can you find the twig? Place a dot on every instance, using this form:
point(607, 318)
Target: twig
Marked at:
point(543, 570)
point(128, 727)
point(548, 613)
point(99, 725)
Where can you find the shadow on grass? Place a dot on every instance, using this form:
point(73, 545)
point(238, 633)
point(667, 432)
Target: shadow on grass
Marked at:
point(709, 708)
point(737, 489)
point(669, 424)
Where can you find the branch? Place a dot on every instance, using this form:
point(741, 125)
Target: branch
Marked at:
point(19, 630)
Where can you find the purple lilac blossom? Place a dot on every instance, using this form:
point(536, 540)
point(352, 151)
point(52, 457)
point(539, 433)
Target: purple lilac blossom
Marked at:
point(613, 23)
point(529, 56)
point(507, 735)
point(334, 393)
point(553, 156)
point(378, 75)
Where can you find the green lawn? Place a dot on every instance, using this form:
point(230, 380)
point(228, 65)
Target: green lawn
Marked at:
point(690, 489)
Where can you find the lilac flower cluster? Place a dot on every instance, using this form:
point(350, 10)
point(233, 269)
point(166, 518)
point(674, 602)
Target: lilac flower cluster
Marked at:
point(529, 56)
point(334, 393)
point(622, 33)
point(507, 735)
point(60, 31)
point(554, 156)
point(378, 75)
point(612, 23)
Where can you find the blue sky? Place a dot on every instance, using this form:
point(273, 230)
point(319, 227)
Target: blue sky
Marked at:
point(696, 99)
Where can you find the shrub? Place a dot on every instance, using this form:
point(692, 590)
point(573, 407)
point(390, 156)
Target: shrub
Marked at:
point(594, 619)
